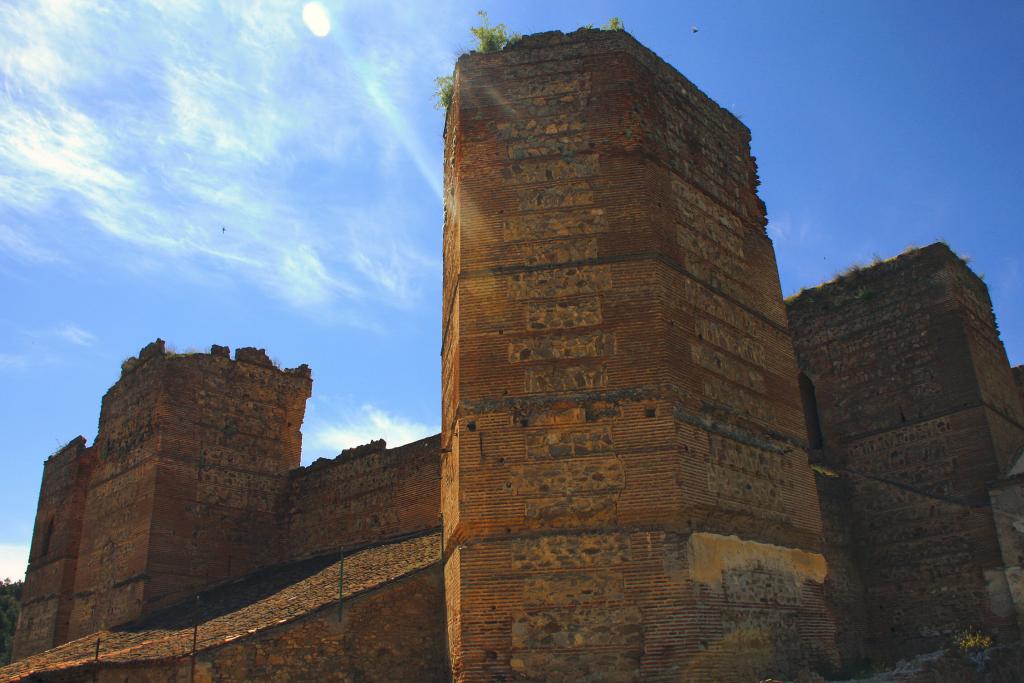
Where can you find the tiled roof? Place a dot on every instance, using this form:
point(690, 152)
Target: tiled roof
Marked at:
point(259, 601)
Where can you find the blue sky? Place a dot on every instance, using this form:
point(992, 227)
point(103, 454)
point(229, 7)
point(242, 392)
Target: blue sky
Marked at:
point(216, 173)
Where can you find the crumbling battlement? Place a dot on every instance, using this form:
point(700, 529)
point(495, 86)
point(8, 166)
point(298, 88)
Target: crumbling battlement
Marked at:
point(158, 349)
point(194, 479)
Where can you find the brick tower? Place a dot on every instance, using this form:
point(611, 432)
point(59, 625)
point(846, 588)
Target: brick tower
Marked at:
point(193, 450)
point(918, 411)
point(625, 485)
point(176, 493)
point(48, 594)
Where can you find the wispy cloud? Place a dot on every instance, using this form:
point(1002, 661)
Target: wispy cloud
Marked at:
point(13, 361)
point(13, 561)
point(202, 135)
point(76, 335)
point(784, 229)
point(365, 425)
point(22, 247)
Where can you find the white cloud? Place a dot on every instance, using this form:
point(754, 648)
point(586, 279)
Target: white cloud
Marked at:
point(162, 125)
point(13, 561)
point(368, 424)
point(76, 335)
point(305, 281)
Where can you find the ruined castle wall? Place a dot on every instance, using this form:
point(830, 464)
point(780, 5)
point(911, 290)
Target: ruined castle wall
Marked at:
point(624, 455)
point(53, 558)
point(364, 496)
point(844, 588)
point(998, 389)
point(231, 436)
point(1007, 498)
point(193, 453)
point(1018, 378)
point(908, 423)
point(112, 561)
point(392, 633)
point(395, 633)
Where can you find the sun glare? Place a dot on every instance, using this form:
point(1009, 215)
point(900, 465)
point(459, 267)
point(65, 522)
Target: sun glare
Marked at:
point(316, 19)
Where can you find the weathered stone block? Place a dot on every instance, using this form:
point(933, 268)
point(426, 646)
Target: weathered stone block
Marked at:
point(530, 227)
point(562, 346)
point(573, 588)
point(562, 443)
point(559, 282)
point(568, 476)
point(569, 551)
point(561, 315)
point(565, 378)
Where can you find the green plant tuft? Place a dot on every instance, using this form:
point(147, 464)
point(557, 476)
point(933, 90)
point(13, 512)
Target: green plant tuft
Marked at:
point(492, 38)
point(824, 471)
point(489, 39)
point(445, 91)
point(614, 24)
point(971, 640)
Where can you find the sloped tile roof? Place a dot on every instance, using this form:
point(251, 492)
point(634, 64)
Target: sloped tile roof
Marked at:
point(254, 603)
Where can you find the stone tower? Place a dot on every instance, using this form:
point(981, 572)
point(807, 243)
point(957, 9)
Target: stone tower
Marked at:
point(176, 493)
point(917, 409)
point(47, 597)
point(625, 485)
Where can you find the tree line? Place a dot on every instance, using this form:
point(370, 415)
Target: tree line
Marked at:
point(10, 601)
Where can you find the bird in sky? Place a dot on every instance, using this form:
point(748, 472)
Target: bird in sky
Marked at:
point(693, 29)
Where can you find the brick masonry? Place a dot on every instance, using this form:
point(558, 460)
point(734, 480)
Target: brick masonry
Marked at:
point(192, 452)
point(395, 634)
point(918, 413)
point(1018, 377)
point(365, 495)
point(53, 556)
point(620, 406)
point(380, 618)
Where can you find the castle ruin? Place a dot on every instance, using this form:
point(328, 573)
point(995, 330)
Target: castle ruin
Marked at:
point(651, 467)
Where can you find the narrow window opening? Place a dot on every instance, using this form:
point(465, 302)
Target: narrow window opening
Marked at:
point(44, 545)
point(811, 418)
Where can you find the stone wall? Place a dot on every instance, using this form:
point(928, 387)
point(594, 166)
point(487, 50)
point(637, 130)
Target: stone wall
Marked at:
point(918, 413)
point(619, 392)
point(365, 495)
point(844, 588)
point(1018, 377)
point(46, 599)
point(1007, 498)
